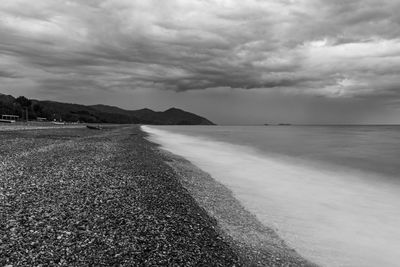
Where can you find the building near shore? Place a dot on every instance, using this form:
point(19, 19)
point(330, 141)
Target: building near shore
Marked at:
point(41, 119)
point(9, 118)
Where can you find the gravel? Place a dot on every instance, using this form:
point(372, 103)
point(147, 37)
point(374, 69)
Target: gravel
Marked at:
point(77, 197)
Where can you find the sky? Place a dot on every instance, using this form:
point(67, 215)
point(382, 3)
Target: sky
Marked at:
point(234, 62)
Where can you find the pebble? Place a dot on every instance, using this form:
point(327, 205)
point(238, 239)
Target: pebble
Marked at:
point(99, 198)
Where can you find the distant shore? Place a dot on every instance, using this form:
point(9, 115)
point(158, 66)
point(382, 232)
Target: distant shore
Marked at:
point(74, 196)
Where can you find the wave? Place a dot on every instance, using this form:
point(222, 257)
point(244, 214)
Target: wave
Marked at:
point(333, 218)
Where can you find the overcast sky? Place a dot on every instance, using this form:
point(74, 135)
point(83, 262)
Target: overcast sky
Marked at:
point(249, 61)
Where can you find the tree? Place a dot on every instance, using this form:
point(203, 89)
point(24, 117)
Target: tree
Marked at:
point(25, 104)
point(23, 101)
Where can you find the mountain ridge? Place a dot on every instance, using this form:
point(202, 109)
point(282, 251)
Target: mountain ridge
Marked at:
point(99, 113)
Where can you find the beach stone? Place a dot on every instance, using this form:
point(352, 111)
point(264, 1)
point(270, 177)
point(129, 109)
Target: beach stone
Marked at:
point(76, 197)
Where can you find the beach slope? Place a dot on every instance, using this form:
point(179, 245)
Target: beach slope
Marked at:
point(78, 197)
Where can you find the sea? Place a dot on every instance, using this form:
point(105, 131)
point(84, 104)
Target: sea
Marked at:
point(331, 192)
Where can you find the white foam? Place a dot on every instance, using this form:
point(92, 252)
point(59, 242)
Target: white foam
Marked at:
point(331, 218)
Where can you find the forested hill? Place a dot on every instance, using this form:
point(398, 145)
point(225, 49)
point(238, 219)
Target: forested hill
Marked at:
point(96, 113)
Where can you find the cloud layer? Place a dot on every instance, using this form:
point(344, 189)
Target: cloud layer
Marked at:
point(340, 49)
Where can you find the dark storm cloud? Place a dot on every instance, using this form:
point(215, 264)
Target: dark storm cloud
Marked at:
point(8, 74)
point(318, 47)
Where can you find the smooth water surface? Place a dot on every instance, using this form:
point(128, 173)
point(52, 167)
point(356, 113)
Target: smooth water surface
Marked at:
point(333, 193)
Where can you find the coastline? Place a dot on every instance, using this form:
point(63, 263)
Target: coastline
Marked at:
point(72, 196)
point(256, 244)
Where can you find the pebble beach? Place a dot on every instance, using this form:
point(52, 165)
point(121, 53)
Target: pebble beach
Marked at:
point(71, 196)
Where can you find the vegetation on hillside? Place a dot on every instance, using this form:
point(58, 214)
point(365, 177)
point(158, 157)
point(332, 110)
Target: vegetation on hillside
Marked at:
point(94, 114)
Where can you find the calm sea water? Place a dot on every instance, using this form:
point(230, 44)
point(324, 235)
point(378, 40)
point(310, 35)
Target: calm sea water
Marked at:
point(332, 192)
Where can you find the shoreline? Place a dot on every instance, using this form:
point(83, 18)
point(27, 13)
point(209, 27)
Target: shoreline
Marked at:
point(72, 196)
point(255, 243)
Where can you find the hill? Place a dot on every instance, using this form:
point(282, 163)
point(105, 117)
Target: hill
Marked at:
point(96, 113)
